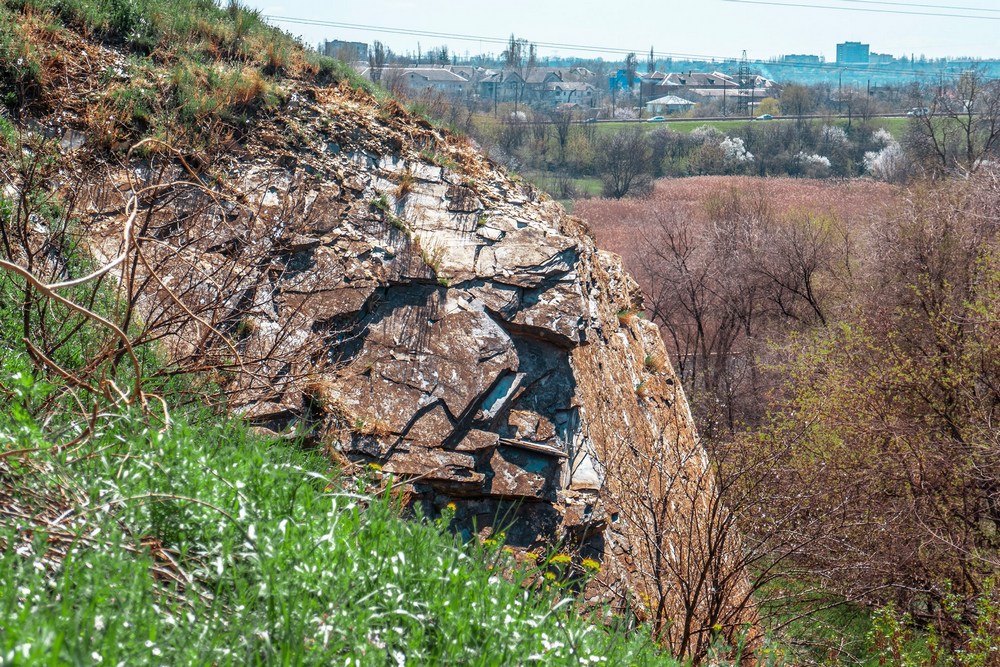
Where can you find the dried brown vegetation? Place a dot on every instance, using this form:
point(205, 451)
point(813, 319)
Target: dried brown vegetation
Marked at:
point(853, 327)
point(723, 261)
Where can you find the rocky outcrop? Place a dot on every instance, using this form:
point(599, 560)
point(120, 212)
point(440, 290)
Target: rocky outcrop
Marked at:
point(415, 308)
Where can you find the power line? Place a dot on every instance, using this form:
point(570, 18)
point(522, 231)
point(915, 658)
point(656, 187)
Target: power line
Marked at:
point(921, 5)
point(865, 9)
point(479, 38)
point(593, 49)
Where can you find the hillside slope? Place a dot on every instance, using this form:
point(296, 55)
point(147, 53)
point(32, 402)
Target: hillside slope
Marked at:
point(343, 270)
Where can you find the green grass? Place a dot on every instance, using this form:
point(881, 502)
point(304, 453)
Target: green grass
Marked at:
point(552, 184)
point(203, 544)
point(682, 125)
point(843, 633)
point(895, 126)
point(195, 68)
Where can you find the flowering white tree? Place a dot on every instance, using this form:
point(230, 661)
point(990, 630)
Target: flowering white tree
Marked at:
point(882, 137)
point(834, 137)
point(706, 134)
point(888, 164)
point(813, 165)
point(734, 149)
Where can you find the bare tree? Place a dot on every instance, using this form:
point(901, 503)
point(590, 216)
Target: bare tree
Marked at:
point(376, 61)
point(521, 57)
point(189, 275)
point(513, 56)
point(512, 132)
point(961, 126)
point(631, 69)
point(623, 162)
point(562, 120)
point(701, 578)
point(797, 100)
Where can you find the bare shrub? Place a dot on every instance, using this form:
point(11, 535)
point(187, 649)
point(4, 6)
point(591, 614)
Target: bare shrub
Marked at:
point(623, 160)
point(179, 280)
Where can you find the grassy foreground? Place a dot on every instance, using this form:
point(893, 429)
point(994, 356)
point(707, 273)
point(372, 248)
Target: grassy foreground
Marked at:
point(203, 544)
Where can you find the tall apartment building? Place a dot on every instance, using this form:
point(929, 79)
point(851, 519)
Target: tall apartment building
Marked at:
point(852, 53)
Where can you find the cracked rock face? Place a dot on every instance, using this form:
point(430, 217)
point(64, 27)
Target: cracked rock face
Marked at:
point(419, 310)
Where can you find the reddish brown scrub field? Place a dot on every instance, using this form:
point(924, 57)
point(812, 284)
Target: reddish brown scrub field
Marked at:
point(623, 225)
point(729, 265)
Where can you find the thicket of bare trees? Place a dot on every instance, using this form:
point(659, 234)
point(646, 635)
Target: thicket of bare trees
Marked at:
point(844, 373)
point(721, 285)
point(961, 128)
point(623, 160)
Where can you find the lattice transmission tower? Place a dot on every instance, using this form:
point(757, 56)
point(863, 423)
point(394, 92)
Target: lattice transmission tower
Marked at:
point(746, 84)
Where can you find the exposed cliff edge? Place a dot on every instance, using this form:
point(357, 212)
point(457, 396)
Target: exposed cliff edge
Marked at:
point(380, 284)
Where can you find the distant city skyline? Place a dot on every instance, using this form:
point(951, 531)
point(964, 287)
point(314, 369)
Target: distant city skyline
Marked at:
point(706, 29)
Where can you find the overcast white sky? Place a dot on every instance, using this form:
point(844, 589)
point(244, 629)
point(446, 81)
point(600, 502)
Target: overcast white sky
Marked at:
point(714, 28)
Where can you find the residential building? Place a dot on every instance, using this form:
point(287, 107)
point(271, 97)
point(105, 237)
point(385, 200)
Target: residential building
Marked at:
point(347, 51)
point(802, 59)
point(438, 79)
point(705, 86)
point(570, 92)
point(420, 79)
point(501, 86)
point(852, 53)
point(619, 81)
point(668, 104)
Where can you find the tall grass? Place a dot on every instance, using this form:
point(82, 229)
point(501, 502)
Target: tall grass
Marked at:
point(203, 544)
point(223, 65)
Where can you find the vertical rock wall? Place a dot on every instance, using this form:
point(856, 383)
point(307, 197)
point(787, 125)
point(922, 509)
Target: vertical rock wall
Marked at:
point(422, 311)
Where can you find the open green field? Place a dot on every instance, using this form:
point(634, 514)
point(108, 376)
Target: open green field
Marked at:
point(682, 125)
point(896, 126)
point(490, 124)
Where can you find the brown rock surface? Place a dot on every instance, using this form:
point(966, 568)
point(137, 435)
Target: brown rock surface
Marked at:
point(448, 324)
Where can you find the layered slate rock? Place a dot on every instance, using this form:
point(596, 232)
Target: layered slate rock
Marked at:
point(411, 306)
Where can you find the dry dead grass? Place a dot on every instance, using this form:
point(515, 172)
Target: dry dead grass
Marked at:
point(620, 225)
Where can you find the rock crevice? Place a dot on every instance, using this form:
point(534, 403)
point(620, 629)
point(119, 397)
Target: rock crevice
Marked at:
point(453, 327)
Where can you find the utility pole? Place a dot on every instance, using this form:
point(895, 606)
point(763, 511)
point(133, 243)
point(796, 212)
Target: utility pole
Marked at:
point(744, 81)
point(840, 92)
